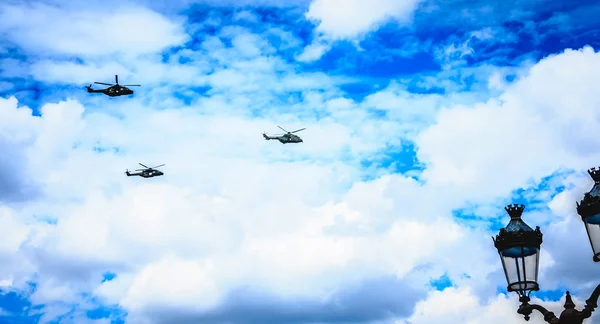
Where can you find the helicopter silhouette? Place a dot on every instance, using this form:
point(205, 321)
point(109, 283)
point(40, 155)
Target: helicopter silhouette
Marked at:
point(288, 137)
point(146, 173)
point(114, 90)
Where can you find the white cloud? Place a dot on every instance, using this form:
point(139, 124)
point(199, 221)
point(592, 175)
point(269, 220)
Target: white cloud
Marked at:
point(314, 51)
point(245, 15)
point(352, 18)
point(187, 223)
point(453, 54)
point(295, 222)
point(460, 305)
point(13, 232)
point(169, 282)
point(526, 133)
point(54, 30)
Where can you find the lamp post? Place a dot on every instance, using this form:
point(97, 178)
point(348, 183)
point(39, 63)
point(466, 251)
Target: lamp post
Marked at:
point(519, 249)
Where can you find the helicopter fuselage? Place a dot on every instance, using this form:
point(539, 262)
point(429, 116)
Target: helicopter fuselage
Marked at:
point(285, 139)
point(145, 173)
point(113, 91)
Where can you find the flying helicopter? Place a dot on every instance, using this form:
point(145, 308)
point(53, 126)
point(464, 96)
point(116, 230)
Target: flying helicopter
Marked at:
point(114, 90)
point(146, 173)
point(288, 137)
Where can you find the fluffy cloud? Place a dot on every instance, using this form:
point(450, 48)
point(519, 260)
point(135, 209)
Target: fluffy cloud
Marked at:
point(454, 305)
point(348, 19)
point(541, 123)
point(103, 31)
point(248, 231)
point(193, 231)
point(351, 20)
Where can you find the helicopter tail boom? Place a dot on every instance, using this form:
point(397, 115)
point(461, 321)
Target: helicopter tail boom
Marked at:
point(90, 90)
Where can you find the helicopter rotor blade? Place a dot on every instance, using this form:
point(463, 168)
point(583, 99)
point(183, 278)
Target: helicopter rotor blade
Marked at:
point(298, 130)
point(158, 166)
point(143, 166)
point(131, 85)
point(282, 129)
point(108, 84)
point(116, 79)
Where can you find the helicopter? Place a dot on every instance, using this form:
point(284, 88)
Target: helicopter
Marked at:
point(114, 90)
point(146, 173)
point(288, 137)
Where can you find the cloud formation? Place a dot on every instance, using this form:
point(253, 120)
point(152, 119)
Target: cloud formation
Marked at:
point(89, 32)
point(397, 187)
point(349, 19)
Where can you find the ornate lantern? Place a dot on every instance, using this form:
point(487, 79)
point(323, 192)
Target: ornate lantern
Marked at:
point(589, 210)
point(519, 249)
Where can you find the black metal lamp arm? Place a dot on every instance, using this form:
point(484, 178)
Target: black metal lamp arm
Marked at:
point(526, 308)
point(591, 303)
point(569, 316)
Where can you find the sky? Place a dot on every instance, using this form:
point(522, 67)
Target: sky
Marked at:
point(423, 119)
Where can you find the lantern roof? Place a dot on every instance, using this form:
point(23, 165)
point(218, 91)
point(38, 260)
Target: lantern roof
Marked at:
point(590, 205)
point(516, 223)
point(517, 233)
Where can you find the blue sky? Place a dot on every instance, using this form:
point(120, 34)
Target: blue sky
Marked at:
point(423, 120)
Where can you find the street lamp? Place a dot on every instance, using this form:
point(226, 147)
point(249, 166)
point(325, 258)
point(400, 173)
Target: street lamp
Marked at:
point(589, 210)
point(519, 249)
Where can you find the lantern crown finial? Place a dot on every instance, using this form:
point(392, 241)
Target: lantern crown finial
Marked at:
point(595, 174)
point(515, 210)
point(569, 302)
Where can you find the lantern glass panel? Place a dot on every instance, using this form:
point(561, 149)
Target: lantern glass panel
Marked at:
point(592, 226)
point(521, 267)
